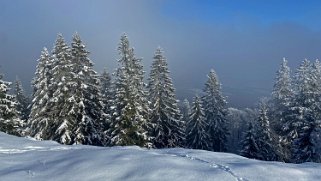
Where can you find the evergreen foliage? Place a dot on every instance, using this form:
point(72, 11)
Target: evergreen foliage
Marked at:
point(167, 127)
point(9, 121)
point(304, 147)
point(186, 111)
point(89, 123)
point(107, 98)
point(23, 101)
point(215, 113)
point(40, 122)
point(265, 142)
point(250, 148)
point(129, 119)
point(197, 136)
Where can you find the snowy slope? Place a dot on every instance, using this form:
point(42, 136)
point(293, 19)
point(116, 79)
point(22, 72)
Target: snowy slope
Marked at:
point(23, 159)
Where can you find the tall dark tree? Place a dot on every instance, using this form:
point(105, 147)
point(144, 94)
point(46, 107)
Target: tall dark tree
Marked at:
point(186, 111)
point(197, 136)
point(165, 117)
point(215, 113)
point(304, 147)
point(129, 121)
point(250, 148)
point(107, 98)
point(23, 101)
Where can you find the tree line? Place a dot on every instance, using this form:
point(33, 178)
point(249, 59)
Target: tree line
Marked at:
point(73, 104)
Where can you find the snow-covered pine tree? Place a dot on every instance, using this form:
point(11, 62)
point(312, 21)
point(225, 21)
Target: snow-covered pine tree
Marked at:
point(65, 105)
point(186, 111)
point(167, 127)
point(40, 122)
point(282, 95)
point(129, 119)
point(267, 150)
point(305, 112)
point(197, 136)
point(304, 107)
point(87, 95)
point(107, 92)
point(304, 147)
point(215, 113)
point(250, 148)
point(9, 120)
point(23, 101)
point(107, 98)
point(316, 76)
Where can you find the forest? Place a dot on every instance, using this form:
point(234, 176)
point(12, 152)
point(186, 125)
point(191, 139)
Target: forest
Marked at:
point(73, 104)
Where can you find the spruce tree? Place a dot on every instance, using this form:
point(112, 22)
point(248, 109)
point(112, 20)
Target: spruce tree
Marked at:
point(23, 101)
point(215, 113)
point(250, 147)
point(65, 104)
point(186, 111)
point(107, 98)
point(197, 136)
point(304, 147)
point(282, 95)
point(89, 123)
point(129, 121)
point(107, 92)
point(9, 121)
point(305, 104)
point(167, 127)
point(265, 142)
point(40, 122)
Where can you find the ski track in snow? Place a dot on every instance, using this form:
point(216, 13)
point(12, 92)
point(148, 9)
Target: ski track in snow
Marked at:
point(211, 164)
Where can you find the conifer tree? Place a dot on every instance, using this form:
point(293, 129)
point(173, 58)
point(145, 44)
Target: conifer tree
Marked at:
point(89, 119)
point(304, 147)
point(23, 101)
point(107, 92)
point(186, 111)
point(250, 148)
point(40, 122)
point(215, 113)
point(167, 130)
point(267, 150)
point(64, 105)
point(197, 136)
point(129, 121)
point(304, 107)
point(282, 95)
point(9, 121)
point(107, 98)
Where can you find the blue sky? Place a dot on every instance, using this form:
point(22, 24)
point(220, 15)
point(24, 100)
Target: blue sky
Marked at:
point(305, 13)
point(244, 41)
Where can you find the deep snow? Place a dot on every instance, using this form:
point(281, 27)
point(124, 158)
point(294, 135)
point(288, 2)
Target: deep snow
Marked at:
point(27, 159)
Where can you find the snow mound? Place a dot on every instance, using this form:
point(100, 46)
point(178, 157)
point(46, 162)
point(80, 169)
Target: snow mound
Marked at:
point(27, 159)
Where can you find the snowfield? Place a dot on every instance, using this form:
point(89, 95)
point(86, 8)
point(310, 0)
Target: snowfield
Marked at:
point(26, 159)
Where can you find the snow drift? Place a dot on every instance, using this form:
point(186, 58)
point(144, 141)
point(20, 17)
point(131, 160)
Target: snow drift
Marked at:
point(27, 159)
